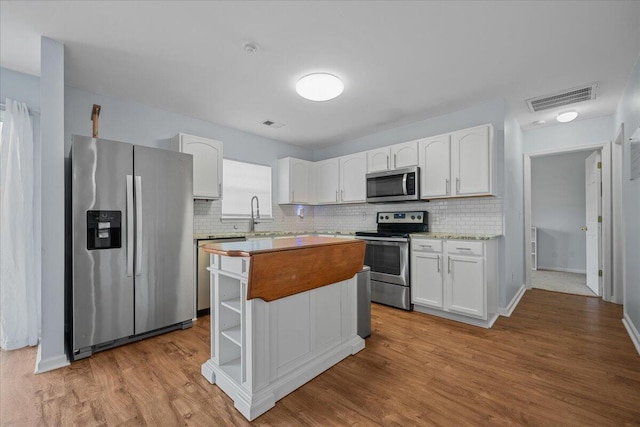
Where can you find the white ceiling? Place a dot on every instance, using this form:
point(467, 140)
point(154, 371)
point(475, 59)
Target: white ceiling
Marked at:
point(401, 62)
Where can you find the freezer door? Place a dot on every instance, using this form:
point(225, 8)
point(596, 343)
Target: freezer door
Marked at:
point(102, 291)
point(164, 264)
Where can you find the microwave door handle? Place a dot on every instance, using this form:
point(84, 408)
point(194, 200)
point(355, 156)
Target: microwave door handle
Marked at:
point(404, 183)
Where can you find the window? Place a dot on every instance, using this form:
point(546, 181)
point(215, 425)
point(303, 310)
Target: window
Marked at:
point(241, 181)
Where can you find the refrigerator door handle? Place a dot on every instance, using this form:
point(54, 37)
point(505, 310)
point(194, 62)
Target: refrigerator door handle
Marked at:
point(130, 225)
point(138, 225)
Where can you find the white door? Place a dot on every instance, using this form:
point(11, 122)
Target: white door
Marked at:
point(300, 170)
point(435, 167)
point(466, 285)
point(471, 161)
point(426, 279)
point(353, 185)
point(207, 165)
point(404, 155)
point(592, 226)
point(327, 181)
point(378, 160)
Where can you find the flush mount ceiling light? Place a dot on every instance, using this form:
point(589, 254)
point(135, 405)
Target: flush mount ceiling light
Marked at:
point(319, 87)
point(566, 116)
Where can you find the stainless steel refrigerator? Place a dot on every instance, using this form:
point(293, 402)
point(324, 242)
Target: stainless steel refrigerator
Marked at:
point(132, 257)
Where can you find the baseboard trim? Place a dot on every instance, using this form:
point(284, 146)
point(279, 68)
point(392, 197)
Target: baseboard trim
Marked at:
point(508, 310)
point(632, 331)
point(563, 270)
point(46, 365)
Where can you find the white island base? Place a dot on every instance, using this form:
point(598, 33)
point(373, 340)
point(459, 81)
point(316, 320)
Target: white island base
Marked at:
point(262, 351)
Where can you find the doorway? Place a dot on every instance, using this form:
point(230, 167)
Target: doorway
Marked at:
point(563, 199)
point(560, 243)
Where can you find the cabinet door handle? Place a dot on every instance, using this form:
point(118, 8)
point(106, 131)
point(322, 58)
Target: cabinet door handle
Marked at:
point(293, 197)
point(446, 186)
point(342, 195)
point(336, 195)
point(387, 162)
point(426, 246)
point(395, 161)
point(457, 185)
point(220, 190)
point(449, 265)
point(463, 249)
point(438, 263)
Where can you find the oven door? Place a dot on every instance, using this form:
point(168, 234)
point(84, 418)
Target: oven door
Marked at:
point(388, 259)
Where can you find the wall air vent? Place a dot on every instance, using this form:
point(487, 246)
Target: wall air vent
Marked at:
point(272, 124)
point(563, 98)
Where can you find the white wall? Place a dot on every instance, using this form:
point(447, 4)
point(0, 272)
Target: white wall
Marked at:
point(51, 352)
point(558, 210)
point(628, 112)
point(574, 134)
point(512, 262)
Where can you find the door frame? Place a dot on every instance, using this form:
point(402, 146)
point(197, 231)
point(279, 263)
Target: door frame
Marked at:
point(605, 239)
point(617, 214)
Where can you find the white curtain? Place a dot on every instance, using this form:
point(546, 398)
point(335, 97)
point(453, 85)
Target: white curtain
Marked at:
point(18, 291)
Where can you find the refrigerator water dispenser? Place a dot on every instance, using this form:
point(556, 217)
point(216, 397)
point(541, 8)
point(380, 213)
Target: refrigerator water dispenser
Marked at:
point(104, 230)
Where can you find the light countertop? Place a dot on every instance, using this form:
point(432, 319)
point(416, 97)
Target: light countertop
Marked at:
point(455, 236)
point(253, 247)
point(249, 235)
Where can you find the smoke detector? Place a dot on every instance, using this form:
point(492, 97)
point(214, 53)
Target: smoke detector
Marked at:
point(563, 98)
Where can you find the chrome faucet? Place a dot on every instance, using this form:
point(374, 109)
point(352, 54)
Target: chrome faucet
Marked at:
point(252, 224)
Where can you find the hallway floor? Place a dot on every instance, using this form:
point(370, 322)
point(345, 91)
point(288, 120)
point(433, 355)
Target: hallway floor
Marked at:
point(560, 281)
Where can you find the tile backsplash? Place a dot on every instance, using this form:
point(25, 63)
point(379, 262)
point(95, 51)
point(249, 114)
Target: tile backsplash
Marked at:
point(481, 215)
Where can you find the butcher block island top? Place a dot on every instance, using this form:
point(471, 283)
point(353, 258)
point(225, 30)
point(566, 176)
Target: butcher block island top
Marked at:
point(282, 267)
point(282, 312)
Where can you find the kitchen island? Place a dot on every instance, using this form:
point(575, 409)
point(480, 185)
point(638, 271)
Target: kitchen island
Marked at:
point(282, 312)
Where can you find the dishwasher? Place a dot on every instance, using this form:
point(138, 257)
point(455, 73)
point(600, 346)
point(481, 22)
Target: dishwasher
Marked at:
point(203, 278)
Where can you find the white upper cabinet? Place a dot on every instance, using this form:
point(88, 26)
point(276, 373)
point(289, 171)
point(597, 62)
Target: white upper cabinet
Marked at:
point(404, 155)
point(378, 160)
point(472, 161)
point(295, 181)
point(395, 156)
point(327, 181)
point(353, 170)
point(207, 164)
point(435, 166)
point(458, 164)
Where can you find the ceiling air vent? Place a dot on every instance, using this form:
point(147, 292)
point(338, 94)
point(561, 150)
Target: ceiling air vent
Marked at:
point(566, 97)
point(272, 124)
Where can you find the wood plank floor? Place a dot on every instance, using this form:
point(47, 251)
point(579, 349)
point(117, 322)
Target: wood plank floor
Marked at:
point(559, 360)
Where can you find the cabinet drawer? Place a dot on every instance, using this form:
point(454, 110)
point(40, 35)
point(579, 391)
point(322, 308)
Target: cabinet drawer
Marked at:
point(464, 247)
point(426, 245)
point(235, 265)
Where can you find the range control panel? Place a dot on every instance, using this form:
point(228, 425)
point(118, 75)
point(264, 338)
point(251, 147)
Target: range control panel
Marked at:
point(413, 217)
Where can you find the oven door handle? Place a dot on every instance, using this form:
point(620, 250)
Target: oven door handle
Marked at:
point(383, 240)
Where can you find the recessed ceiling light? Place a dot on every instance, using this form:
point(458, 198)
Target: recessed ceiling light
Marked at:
point(567, 116)
point(319, 87)
point(539, 122)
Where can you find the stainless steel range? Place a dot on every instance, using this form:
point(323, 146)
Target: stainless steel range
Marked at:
point(387, 255)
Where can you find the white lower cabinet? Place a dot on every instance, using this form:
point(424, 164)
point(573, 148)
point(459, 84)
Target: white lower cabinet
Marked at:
point(456, 279)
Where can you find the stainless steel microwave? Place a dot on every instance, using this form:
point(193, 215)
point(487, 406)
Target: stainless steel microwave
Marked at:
point(397, 185)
